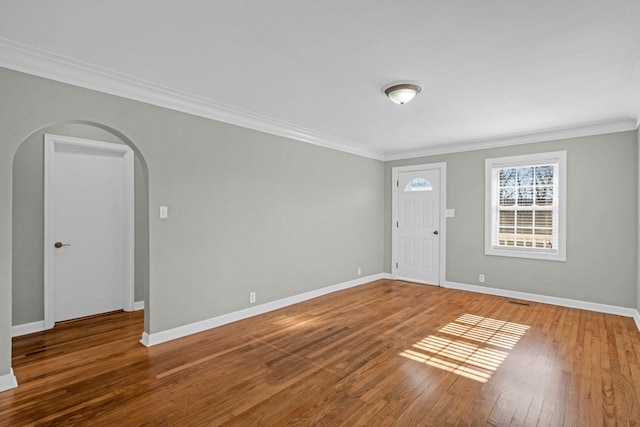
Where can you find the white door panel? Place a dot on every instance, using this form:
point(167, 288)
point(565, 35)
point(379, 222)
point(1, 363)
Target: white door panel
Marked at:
point(409, 213)
point(428, 214)
point(408, 258)
point(427, 254)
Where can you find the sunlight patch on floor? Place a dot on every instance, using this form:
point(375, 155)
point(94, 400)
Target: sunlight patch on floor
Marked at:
point(461, 355)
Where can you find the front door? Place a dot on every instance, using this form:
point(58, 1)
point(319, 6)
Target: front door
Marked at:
point(88, 227)
point(418, 226)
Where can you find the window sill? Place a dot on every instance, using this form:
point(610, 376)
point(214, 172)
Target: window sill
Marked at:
point(526, 253)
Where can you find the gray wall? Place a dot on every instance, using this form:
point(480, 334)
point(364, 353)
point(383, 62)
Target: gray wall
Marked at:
point(602, 212)
point(28, 221)
point(255, 212)
point(247, 211)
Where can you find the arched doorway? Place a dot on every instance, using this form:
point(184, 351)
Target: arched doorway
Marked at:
point(28, 227)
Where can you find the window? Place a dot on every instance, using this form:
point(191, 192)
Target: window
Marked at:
point(418, 184)
point(525, 206)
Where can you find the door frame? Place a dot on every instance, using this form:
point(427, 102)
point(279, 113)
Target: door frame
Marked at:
point(395, 171)
point(51, 143)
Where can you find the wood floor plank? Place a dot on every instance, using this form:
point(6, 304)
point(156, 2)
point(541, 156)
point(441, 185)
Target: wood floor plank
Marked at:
point(385, 353)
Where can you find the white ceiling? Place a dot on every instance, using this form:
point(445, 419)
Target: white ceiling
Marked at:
point(493, 71)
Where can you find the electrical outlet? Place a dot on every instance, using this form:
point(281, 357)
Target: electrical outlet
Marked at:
point(252, 297)
point(359, 271)
point(481, 278)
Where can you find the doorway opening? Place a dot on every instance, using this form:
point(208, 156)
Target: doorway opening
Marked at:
point(28, 296)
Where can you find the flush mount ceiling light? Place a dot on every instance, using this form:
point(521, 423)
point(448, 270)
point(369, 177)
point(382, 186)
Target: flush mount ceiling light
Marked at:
point(401, 93)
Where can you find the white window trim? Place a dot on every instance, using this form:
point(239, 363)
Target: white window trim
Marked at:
point(559, 157)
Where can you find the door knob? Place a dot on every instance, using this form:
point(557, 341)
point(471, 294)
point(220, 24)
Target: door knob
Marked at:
point(435, 232)
point(58, 245)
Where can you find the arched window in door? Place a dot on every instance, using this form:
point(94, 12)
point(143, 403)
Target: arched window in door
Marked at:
point(418, 184)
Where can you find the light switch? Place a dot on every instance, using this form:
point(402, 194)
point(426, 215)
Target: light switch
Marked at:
point(450, 213)
point(164, 212)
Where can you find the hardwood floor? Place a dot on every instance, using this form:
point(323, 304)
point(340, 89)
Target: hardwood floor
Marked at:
point(385, 353)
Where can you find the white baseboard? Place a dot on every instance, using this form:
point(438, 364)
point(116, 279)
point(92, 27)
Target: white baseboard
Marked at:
point(8, 381)
point(562, 302)
point(27, 328)
point(138, 305)
point(145, 340)
point(182, 331)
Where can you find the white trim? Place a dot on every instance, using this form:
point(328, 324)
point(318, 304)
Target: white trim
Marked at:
point(152, 339)
point(395, 171)
point(562, 302)
point(8, 381)
point(138, 305)
point(560, 253)
point(51, 142)
point(38, 62)
point(589, 129)
point(27, 328)
point(637, 317)
point(146, 340)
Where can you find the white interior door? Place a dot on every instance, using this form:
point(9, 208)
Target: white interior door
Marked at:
point(88, 228)
point(418, 226)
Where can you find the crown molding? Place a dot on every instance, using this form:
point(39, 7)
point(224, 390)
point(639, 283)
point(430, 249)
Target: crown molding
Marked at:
point(42, 63)
point(20, 57)
point(551, 135)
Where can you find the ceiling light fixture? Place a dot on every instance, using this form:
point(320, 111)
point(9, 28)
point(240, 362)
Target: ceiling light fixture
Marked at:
point(401, 93)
